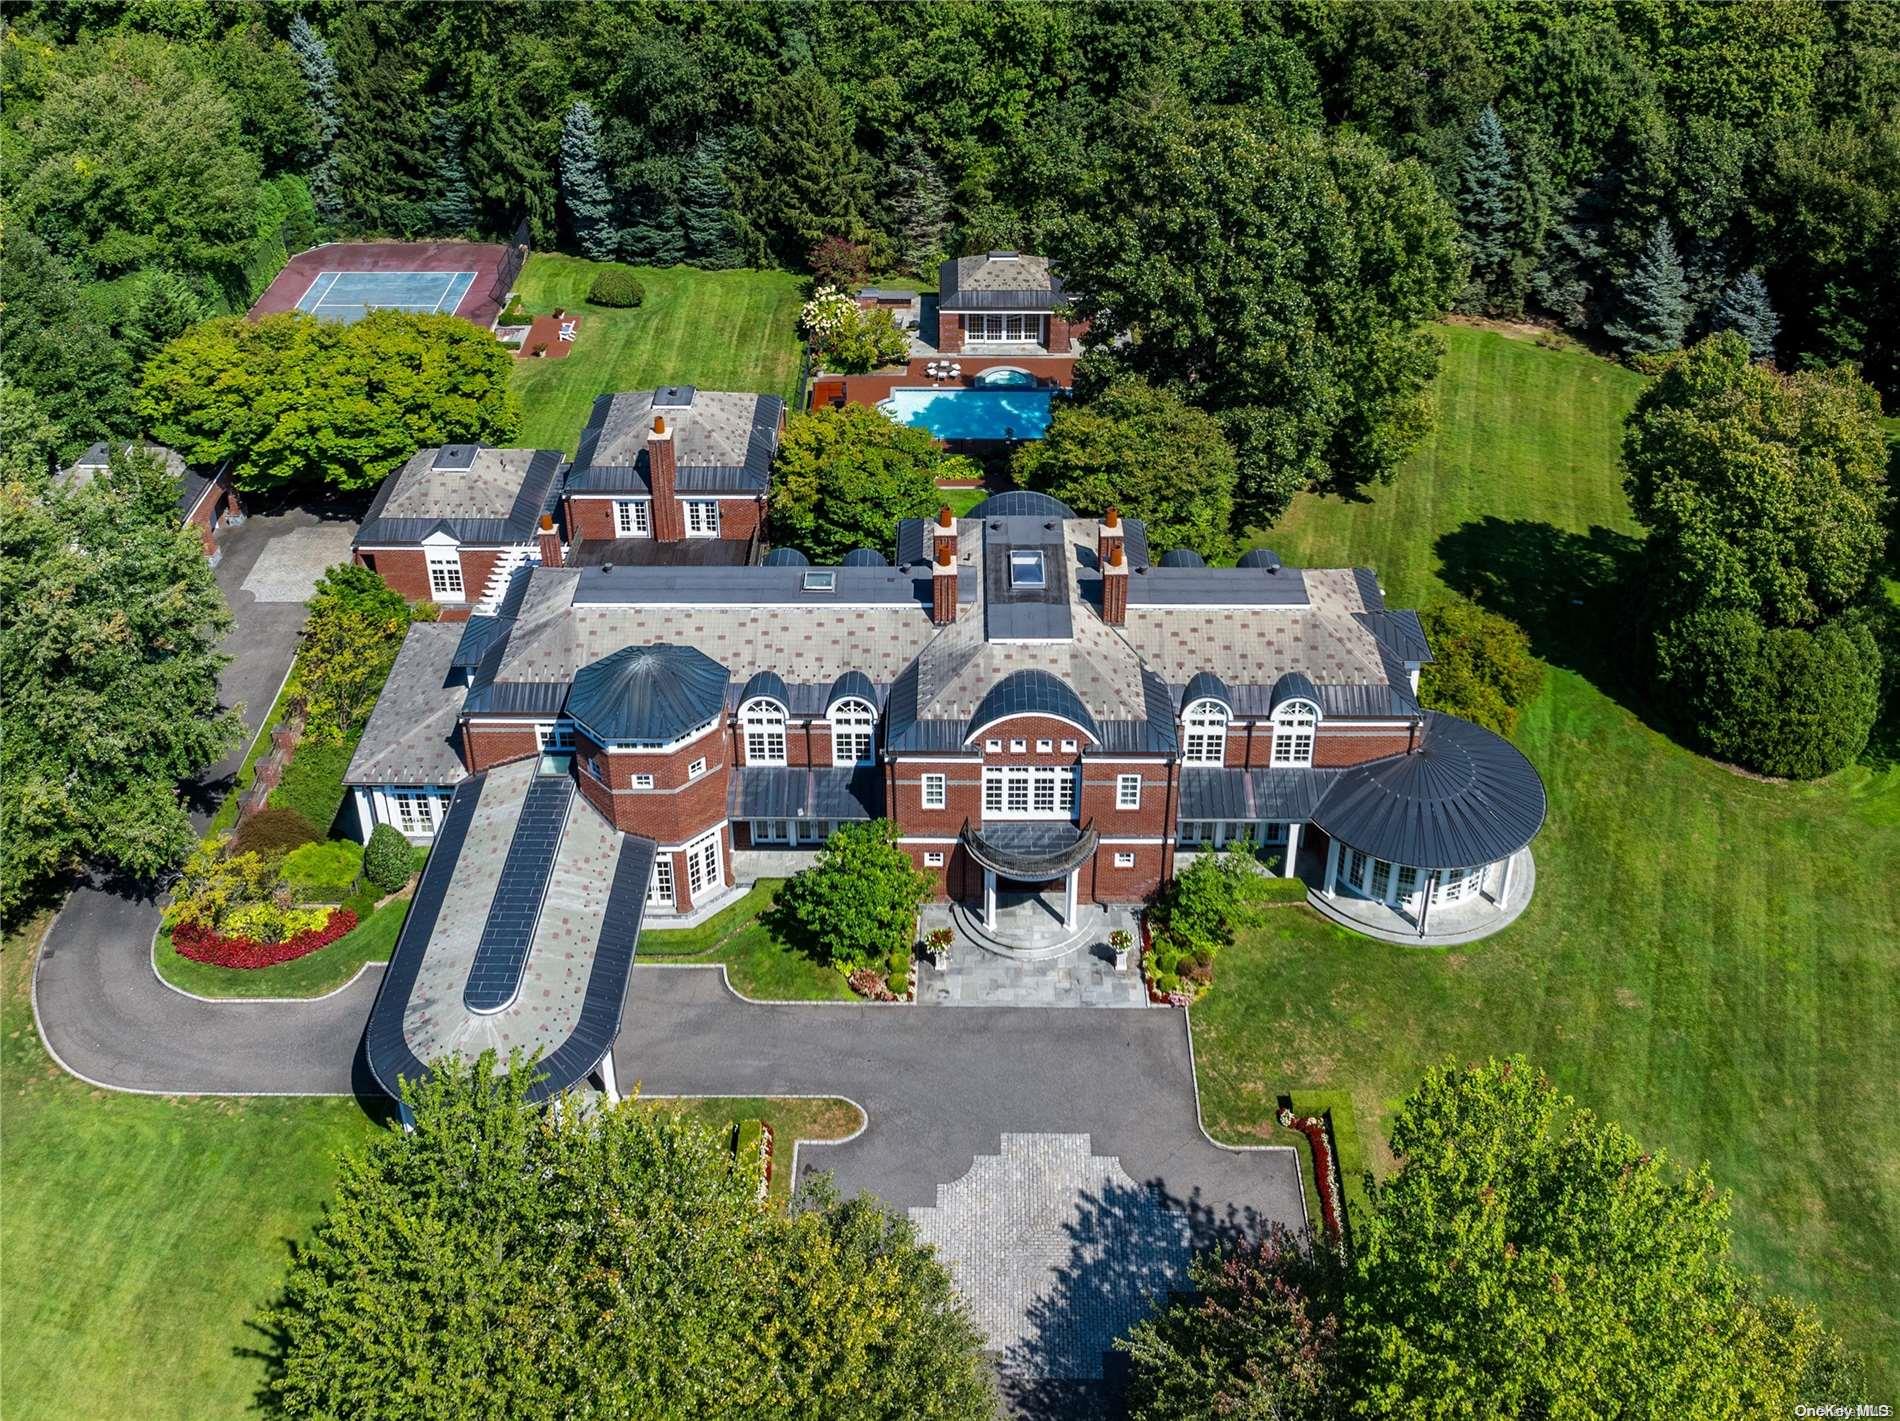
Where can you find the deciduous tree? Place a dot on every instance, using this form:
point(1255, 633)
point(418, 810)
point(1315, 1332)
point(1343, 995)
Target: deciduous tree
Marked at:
point(354, 627)
point(858, 903)
point(844, 478)
point(1481, 666)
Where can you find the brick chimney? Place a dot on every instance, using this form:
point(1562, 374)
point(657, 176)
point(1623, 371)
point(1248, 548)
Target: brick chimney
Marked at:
point(669, 520)
point(943, 586)
point(1110, 534)
point(548, 541)
point(1115, 586)
point(944, 534)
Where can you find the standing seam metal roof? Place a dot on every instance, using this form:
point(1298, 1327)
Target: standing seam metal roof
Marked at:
point(648, 693)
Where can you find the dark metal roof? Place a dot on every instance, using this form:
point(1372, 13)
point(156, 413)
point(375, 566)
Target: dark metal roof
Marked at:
point(1400, 632)
point(1021, 503)
point(805, 792)
point(766, 683)
point(851, 684)
point(1252, 796)
point(1015, 610)
point(755, 585)
point(518, 527)
point(913, 541)
point(1182, 557)
point(1179, 586)
point(1259, 557)
point(651, 694)
point(1029, 851)
point(1031, 692)
point(1293, 686)
point(786, 557)
point(1206, 686)
point(1464, 798)
point(494, 979)
point(864, 557)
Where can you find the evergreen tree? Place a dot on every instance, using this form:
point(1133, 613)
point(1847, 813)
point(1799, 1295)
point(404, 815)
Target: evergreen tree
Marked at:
point(384, 155)
point(920, 203)
point(162, 307)
point(452, 204)
point(1487, 216)
point(319, 77)
point(706, 207)
point(583, 186)
point(1569, 275)
point(654, 233)
point(806, 177)
point(1654, 298)
point(1745, 307)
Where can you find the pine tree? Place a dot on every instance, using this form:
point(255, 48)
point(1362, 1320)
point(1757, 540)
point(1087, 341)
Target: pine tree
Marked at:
point(1570, 277)
point(806, 176)
point(1745, 307)
point(1487, 215)
point(590, 203)
point(384, 156)
point(452, 204)
point(319, 77)
point(1654, 298)
point(162, 306)
point(706, 207)
point(920, 202)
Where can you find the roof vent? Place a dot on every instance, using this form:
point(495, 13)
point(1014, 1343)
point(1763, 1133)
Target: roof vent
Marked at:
point(606, 568)
point(673, 397)
point(455, 458)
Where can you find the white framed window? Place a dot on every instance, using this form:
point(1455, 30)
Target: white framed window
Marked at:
point(555, 736)
point(1029, 791)
point(633, 518)
point(1043, 747)
point(763, 723)
point(660, 890)
point(1357, 863)
point(1293, 723)
point(936, 791)
point(771, 831)
point(992, 747)
point(933, 858)
point(702, 517)
point(1069, 747)
point(1128, 791)
point(1016, 747)
point(1003, 326)
point(419, 811)
point(1206, 740)
point(643, 781)
point(1381, 878)
point(1124, 860)
point(445, 575)
point(696, 769)
point(702, 864)
point(853, 733)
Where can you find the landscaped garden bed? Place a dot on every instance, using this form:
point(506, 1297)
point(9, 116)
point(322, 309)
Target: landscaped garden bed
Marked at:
point(203, 944)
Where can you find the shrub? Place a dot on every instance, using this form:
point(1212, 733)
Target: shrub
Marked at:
point(616, 286)
point(312, 783)
point(838, 262)
point(1481, 667)
point(270, 922)
point(272, 832)
point(386, 858)
point(214, 885)
point(201, 944)
point(850, 339)
point(326, 871)
point(858, 903)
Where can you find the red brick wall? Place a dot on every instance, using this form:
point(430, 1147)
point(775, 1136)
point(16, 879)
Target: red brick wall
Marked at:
point(1336, 748)
point(807, 742)
point(676, 808)
point(592, 519)
point(949, 332)
point(682, 885)
point(1102, 882)
point(486, 746)
point(407, 570)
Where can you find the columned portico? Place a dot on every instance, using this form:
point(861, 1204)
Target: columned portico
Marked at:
point(1070, 888)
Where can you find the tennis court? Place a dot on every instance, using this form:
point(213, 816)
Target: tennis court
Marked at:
point(351, 295)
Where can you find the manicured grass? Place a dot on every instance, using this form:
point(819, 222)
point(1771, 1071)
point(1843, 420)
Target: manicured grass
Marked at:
point(962, 500)
point(326, 969)
point(1711, 960)
point(720, 330)
point(141, 1235)
point(759, 963)
point(792, 1119)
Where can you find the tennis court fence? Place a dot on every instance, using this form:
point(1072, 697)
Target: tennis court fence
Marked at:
point(511, 263)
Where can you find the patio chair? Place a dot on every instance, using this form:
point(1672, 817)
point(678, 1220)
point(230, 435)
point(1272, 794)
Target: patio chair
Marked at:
point(567, 330)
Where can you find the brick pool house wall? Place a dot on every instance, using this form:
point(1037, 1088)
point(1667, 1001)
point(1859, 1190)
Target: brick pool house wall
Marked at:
point(407, 571)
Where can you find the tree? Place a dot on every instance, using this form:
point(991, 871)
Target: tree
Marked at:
point(451, 203)
point(293, 400)
point(382, 158)
point(1145, 451)
point(57, 350)
point(1258, 1336)
point(354, 627)
point(836, 262)
point(858, 903)
point(1286, 274)
point(1530, 1259)
point(1481, 666)
point(161, 307)
point(804, 176)
point(533, 1262)
point(1761, 491)
point(1491, 199)
point(706, 207)
point(1745, 307)
point(919, 204)
point(584, 191)
point(320, 81)
point(108, 651)
point(29, 441)
point(1653, 299)
point(845, 478)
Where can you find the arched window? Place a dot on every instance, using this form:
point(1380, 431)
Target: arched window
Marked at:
point(1206, 739)
point(763, 721)
point(853, 733)
point(1293, 723)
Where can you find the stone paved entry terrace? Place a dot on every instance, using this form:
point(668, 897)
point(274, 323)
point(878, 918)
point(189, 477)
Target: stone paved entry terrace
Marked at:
point(980, 973)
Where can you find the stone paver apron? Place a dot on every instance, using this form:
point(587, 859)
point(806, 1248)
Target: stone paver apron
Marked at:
point(1056, 1251)
point(287, 570)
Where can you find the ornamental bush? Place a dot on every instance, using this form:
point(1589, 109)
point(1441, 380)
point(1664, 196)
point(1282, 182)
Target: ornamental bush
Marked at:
point(858, 903)
point(386, 858)
point(615, 286)
point(214, 885)
point(1481, 667)
point(324, 872)
point(272, 832)
point(201, 944)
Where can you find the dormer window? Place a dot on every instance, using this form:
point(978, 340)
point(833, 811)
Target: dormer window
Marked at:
point(853, 733)
point(1205, 740)
point(1293, 725)
point(763, 722)
point(1026, 569)
point(820, 580)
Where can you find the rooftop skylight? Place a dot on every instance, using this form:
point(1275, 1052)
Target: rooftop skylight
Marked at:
point(1025, 569)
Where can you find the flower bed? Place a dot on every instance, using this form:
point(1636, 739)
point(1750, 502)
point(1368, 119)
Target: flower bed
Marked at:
point(201, 944)
point(1326, 1174)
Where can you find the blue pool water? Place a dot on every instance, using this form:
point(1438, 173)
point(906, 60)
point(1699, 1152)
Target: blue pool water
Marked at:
point(972, 414)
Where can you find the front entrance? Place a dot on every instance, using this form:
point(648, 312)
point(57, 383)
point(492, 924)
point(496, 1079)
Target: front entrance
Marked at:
point(1029, 911)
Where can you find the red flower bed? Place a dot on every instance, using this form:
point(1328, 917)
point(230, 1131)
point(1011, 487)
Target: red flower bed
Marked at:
point(201, 944)
point(1321, 1139)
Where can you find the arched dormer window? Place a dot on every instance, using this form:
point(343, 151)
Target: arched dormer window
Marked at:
point(1293, 724)
point(763, 721)
point(1205, 741)
point(853, 732)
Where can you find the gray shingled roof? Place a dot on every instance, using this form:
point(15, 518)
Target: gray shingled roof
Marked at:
point(998, 281)
point(723, 441)
point(498, 498)
point(411, 735)
point(98, 458)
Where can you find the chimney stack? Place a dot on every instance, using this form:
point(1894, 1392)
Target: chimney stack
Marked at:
point(669, 519)
point(1115, 586)
point(943, 586)
point(548, 540)
point(944, 534)
point(1111, 534)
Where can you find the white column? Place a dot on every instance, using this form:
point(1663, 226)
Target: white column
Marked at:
point(1504, 881)
point(364, 818)
point(607, 1081)
point(1292, 848)
point(989, 899)
point(1332, 866)
point(1068, 900)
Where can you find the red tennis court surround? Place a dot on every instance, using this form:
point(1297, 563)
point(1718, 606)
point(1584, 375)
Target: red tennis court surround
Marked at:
point(481, 304)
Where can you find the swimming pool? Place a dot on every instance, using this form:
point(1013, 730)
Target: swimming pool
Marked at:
point(972, 414)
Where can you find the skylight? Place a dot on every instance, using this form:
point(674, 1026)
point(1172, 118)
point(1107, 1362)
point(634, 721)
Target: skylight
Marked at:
point(820, 580)
point(1025, 569)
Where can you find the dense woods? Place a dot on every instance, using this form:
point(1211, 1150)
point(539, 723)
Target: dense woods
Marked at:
point(1641, 173)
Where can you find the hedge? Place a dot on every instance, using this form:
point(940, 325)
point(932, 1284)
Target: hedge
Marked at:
point(313, 781)
point(616, 286)
point(1348, 1149)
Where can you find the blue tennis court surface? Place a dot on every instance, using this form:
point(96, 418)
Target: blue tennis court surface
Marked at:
point(351, 295)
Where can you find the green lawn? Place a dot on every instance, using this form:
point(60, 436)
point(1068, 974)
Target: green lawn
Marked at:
point(759, 963)
point(721, 330)
point(1713, 961)
point(324, 970)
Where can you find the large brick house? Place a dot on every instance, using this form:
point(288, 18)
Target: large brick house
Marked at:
point(1040, 707)
point(207, 502)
